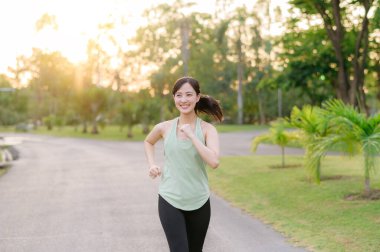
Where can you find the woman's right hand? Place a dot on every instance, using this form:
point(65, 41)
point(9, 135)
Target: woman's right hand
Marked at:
point(154, 171)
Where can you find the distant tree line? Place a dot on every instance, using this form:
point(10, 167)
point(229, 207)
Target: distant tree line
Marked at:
point(328, 49)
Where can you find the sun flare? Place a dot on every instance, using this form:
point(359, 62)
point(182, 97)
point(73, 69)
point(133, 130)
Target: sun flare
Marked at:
point(76, 23)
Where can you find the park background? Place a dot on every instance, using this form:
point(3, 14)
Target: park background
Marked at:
point(104, 69)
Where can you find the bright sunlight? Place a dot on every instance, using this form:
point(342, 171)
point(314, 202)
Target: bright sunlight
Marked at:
point(75, 23)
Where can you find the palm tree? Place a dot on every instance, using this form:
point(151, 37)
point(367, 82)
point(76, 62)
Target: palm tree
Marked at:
point(313, 128)
point(353, 132)
point(277, 135)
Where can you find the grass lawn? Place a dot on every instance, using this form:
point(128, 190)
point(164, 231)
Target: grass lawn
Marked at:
point(110, 132)
point(314, 216)
point(107, 133)
point(115, 133)
point(2, 171)
point(235, 128)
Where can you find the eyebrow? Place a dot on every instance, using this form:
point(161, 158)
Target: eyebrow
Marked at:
point(187, 92)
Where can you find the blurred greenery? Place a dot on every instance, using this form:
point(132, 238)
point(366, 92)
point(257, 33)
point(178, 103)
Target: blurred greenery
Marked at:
point(115, 133)
point(257, 76)
point(2, 171)
point(118, 133)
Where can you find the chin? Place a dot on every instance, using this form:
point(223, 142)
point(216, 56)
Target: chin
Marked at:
point(187, 111)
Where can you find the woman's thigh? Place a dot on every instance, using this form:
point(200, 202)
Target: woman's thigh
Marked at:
point(174, 225)
point(197, 222)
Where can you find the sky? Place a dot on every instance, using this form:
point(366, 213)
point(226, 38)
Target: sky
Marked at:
point(77, 22)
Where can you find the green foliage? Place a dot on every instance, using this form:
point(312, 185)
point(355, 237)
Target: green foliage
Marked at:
point(309, 64)
point(223, 52)
point(353, 133)
point(348, 27)
point(91, 103)
point(49, 91)
point(13, 103)
point(49, 121)
point(278, 135)
point(313, 128)
point(341, 127)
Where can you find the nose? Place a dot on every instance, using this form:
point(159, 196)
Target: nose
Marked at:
point(183, 99)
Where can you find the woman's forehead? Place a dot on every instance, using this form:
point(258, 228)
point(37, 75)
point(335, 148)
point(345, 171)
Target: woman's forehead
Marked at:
point(186, 88)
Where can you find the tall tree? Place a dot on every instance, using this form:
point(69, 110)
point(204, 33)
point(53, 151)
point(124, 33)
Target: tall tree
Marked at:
point(51, 79)
point(339, 18)
point(309, 63)
point(234, 29)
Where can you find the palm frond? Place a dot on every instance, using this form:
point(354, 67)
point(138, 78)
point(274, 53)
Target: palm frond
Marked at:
point(371, 144)
point(260, 139)
point(278, 134)
point(374, 123)
point(341, 114)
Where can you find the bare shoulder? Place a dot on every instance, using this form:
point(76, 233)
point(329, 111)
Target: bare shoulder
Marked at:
point(158, 132)
point(163, 127)
point(208, 128)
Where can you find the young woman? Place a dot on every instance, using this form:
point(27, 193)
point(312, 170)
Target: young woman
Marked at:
point(189, 144)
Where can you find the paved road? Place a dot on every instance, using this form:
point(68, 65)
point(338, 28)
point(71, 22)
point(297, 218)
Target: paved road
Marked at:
point(76, 195)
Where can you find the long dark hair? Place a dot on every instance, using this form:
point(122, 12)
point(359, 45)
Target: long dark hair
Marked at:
point(206, 103)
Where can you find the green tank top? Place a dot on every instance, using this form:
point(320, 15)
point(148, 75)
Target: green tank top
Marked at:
point(184, 181)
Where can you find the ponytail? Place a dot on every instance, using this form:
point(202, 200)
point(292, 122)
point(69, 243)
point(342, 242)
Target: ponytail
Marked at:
point(209, 106)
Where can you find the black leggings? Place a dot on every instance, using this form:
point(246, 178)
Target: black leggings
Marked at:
point(184, 230)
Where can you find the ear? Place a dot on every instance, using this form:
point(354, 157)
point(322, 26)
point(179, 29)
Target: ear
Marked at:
point(198, 97)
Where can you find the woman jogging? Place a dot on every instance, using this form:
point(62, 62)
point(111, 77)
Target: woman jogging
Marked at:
point(189, 144)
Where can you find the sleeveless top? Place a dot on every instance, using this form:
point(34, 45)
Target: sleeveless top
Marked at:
point(184, 181)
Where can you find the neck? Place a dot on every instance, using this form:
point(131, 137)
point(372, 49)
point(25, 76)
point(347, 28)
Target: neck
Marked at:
point(187, 119)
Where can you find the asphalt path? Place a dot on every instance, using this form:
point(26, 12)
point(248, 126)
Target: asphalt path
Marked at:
point(79, 195)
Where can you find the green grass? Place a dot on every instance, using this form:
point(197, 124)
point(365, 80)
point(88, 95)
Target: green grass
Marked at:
point(236, 128)
point(107, 133)
point(7, 129)
point(3, 171)
point(113, 132)
point(314, 216)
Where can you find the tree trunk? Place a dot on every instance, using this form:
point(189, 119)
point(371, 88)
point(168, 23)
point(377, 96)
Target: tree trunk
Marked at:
point(369, 163)
point(318, 171)
point(378, 79)
point(94, 128)
point(350, 92)
point(335, 32)
point(185, 30)
point(145, 128)
point(162, 112)
point(240, 81)
point(261, 109)
point(367, 185)
point(359, 62)
point(84, 127)
point(130, 134)
point(279, 102)
point(283, 156)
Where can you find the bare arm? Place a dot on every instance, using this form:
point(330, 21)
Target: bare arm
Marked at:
point(209, 152)
point(151, 139)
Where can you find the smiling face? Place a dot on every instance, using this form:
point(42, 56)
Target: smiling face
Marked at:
point(186, 98)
